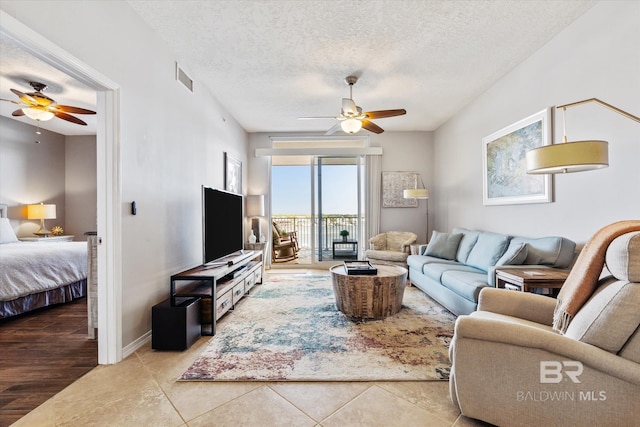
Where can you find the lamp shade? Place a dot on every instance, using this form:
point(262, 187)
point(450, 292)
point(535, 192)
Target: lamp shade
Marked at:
point(416, 193)
point(351, 125)
point(568, 157)
point(255, 205)
point(41, 211)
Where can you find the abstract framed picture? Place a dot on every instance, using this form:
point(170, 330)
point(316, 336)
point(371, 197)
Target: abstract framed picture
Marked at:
point(232, 174)
point(505, 178)
point(393, 185)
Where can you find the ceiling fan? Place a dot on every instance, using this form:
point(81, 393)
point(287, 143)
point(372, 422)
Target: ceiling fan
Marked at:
point(352, 119)
point(41, 108)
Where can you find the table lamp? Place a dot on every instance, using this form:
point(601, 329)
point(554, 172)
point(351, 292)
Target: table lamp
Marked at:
point(41, 212)
point(255, 209)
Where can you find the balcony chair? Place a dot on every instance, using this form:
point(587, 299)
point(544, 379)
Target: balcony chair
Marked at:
point(392, 247)
point(284, 245)
point(524, 359)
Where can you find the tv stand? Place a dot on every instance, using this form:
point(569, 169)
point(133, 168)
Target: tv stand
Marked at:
point(219, 287)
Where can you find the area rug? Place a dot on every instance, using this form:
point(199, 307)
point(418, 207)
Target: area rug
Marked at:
point(289, 329)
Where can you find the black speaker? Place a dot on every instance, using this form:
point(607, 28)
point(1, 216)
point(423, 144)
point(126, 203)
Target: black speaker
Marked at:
point(175, 327)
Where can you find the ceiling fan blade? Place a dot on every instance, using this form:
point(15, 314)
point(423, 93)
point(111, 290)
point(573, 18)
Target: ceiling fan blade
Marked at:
point(17, 113)
point(74, 110)
point(349, 108)
point(381, 114)
point(317, 117)
point(10, 100)
point(69, 118)
point(27, 99)
point(372, 127)
point(335, 128)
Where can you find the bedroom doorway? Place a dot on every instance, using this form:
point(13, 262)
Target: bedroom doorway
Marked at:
point(107, 176)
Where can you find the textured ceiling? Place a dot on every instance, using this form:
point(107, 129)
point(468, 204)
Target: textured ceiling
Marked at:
point(269, 62)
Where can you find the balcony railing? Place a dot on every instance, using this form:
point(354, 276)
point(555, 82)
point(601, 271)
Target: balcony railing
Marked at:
point(331, 227)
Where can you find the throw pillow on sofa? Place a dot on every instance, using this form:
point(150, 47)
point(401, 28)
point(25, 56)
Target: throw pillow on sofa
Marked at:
point(487, 250)
point(443, 245)
point(515, 255)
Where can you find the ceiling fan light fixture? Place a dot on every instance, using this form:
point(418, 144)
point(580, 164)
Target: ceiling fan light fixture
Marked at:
point(38, 114)
point(351, 125)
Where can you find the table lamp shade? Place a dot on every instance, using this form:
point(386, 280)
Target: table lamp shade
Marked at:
point(41, 211)
point(255, 205)
point(255, 208)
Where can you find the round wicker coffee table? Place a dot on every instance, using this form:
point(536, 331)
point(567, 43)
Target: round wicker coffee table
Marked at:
point(369, 297)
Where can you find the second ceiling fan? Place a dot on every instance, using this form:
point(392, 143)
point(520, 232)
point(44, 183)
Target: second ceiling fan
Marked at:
point(352, 118)
point(40, 107)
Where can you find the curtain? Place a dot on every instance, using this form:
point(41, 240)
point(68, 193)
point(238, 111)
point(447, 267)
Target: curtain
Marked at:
point(373, 191)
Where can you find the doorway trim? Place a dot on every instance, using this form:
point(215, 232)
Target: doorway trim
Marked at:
point(108, 173)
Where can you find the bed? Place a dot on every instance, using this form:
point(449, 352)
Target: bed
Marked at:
point(38, 274)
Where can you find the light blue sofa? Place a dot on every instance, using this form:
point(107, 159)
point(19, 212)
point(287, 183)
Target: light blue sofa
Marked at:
point(454, 267)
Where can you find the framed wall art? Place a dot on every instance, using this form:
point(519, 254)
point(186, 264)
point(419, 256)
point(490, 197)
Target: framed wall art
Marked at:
point(232, 174)
point(393, 185)
point(505, 178)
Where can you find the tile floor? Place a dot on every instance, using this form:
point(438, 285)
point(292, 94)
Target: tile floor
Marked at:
point(142, 391)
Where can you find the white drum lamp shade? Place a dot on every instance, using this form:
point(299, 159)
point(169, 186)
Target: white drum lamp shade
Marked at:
point(41, 212)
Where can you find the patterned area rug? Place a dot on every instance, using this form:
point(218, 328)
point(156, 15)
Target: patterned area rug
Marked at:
point(289, 329)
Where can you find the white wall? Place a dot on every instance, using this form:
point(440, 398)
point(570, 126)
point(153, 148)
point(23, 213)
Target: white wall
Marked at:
point(596, 56)
point(80, 185)
point(172, 142)
point(31, 173)
point(403, 151)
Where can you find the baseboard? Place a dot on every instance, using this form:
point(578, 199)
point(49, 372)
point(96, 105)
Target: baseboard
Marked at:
point(131, 348)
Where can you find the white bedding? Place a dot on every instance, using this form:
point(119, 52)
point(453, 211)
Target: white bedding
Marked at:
point(31, 267)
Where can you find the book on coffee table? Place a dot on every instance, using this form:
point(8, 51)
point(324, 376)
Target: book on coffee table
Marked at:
point(360, 267)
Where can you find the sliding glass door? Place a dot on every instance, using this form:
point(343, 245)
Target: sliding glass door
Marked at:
point(337, 207)
point(320, 199)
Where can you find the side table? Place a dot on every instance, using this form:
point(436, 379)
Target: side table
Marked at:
point(525, 280)
point(342, 253)
point(49, 239)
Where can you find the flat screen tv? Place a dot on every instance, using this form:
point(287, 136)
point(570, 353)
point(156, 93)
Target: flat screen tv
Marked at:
point(222, 224)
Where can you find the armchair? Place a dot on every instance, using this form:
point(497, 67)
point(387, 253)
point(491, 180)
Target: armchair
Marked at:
point(511, 367)
point(392, 247)
point(284, 246)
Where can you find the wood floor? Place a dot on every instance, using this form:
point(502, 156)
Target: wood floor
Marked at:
point(40, 354)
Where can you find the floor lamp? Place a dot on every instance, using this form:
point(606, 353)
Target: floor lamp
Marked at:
point(419, 193)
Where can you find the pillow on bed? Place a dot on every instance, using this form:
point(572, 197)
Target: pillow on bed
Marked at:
point(7, 235)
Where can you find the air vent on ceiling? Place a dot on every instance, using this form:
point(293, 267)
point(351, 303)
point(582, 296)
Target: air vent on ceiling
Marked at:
point(183, 78)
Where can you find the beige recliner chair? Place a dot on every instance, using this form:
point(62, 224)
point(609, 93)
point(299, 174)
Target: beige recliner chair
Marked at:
point(392, 247)
point(511, 367)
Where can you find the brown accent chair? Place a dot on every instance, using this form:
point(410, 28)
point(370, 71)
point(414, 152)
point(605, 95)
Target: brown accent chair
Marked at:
point(392, 247)
point(284, 244)
point(511, 367)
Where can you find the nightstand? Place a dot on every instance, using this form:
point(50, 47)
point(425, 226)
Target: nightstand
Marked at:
point(49, 239)
point(525, 280)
